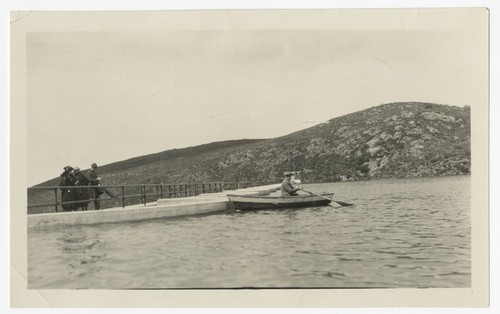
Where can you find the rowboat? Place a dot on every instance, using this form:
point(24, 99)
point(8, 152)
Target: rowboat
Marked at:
point(253, 202)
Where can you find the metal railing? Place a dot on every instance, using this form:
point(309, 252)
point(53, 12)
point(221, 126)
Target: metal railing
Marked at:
point(49, 199)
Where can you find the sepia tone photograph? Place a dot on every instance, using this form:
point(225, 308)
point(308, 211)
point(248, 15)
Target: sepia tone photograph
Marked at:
point(254, 150)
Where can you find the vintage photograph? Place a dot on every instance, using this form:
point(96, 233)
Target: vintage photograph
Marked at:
point(322, 149)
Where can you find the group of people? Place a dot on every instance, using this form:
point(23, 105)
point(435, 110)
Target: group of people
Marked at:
point(79, 197)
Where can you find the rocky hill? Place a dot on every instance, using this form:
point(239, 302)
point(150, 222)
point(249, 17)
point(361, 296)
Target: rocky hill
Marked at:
point(391, 140)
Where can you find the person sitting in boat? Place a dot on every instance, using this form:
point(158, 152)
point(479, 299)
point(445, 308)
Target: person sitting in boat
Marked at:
point(286, 186)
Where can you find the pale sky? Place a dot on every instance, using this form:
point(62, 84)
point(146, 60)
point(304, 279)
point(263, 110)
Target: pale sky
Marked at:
point(108, 96)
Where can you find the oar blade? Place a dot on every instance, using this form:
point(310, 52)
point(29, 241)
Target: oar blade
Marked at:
point(335, 204)
point(343, 203)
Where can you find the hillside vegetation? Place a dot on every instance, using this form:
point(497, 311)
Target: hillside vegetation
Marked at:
point(392, 140)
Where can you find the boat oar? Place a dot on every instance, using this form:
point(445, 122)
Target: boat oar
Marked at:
point(338, 202)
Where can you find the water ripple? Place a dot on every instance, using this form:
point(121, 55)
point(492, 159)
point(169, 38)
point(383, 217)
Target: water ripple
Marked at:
point(400, 233)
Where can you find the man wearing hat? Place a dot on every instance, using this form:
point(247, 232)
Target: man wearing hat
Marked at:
point(82, 193)
point(68, 194)
point(286, 186)
point(96, 181)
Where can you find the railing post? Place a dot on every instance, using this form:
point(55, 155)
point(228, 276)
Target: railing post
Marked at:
point(55, 194)
point(123, 196)
point(143, 193)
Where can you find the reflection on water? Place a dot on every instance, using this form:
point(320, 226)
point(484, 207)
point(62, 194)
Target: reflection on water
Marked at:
point(399, 233)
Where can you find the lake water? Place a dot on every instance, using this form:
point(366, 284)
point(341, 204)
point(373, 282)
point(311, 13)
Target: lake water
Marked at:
point(399, 233)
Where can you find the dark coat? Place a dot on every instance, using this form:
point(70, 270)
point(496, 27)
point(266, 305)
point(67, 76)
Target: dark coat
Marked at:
point(83, 193)
point(93, 175)
point(68, 194)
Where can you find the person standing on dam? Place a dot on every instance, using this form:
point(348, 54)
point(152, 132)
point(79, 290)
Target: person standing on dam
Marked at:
point(95, 180)
point(68, 194)
point(82, 193)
